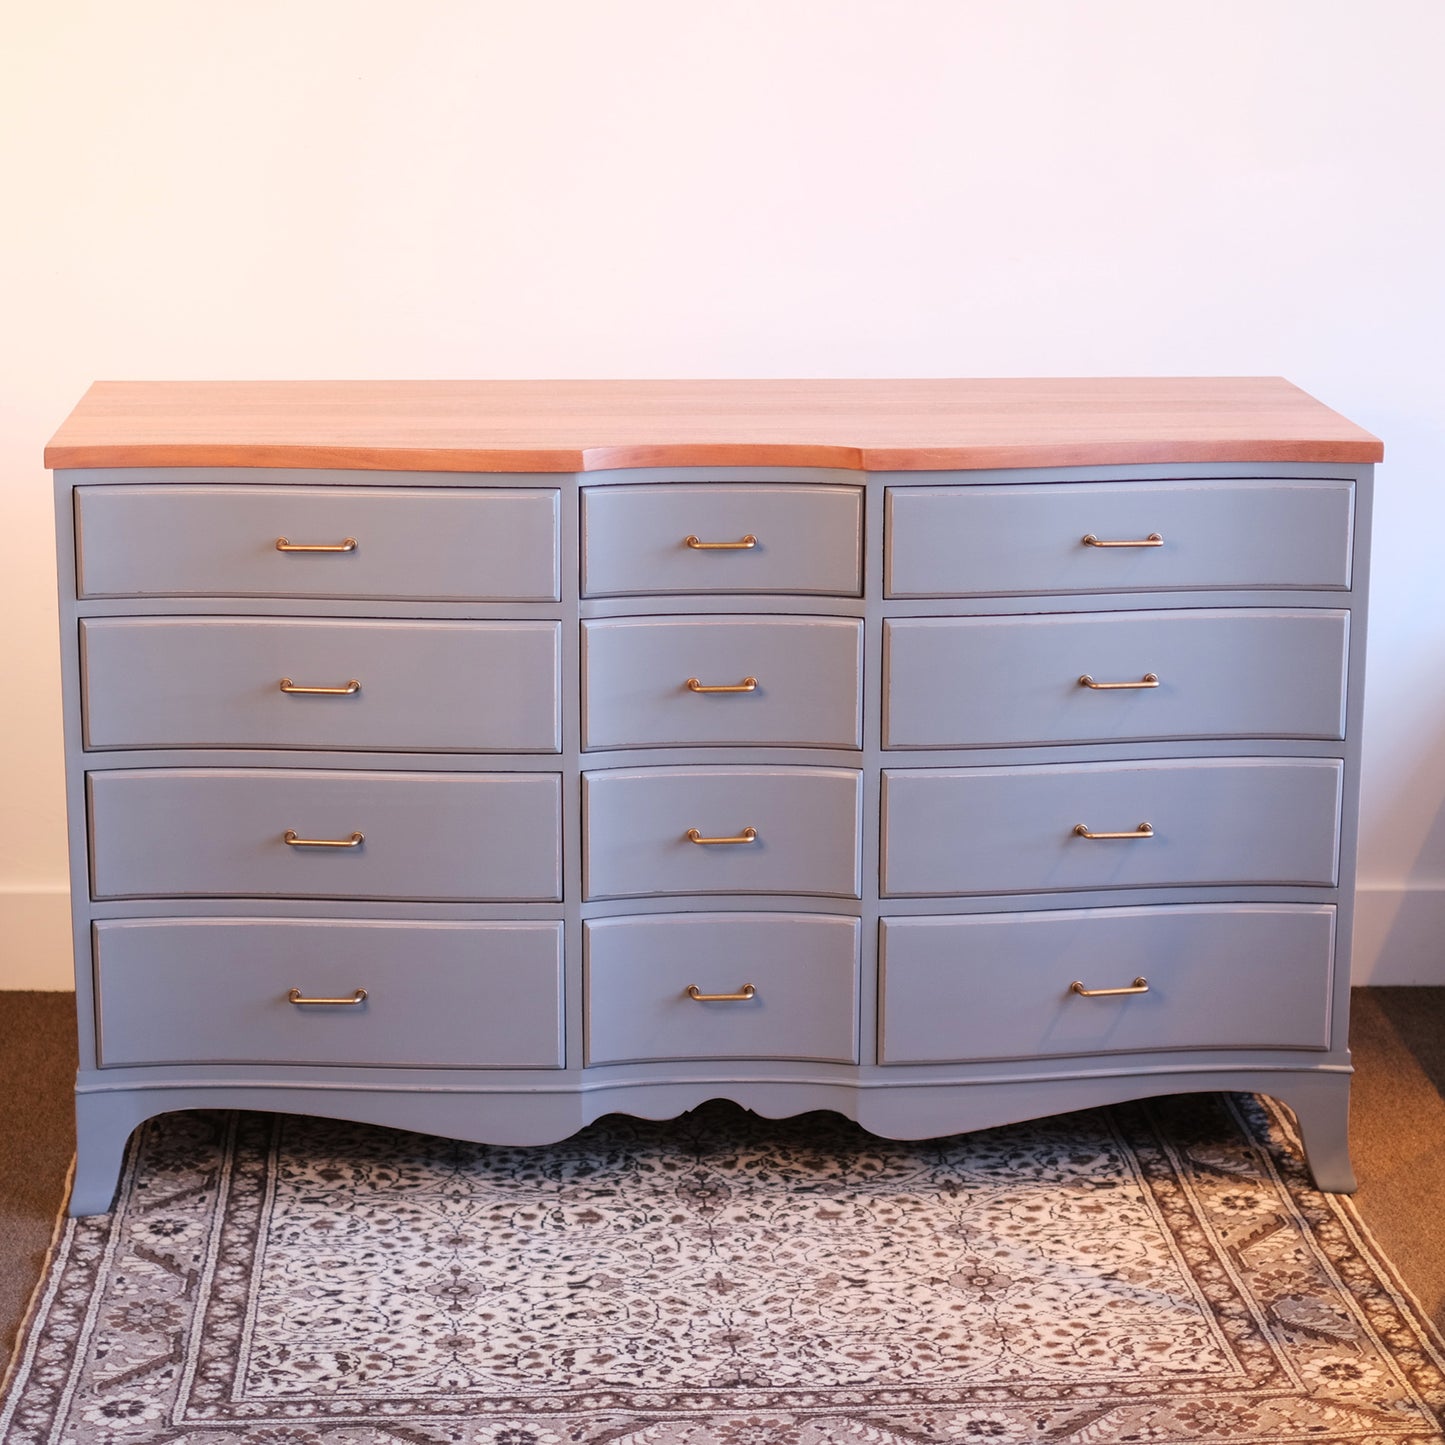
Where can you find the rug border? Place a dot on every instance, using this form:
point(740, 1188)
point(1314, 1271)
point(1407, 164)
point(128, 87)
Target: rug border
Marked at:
point(1344, 1206)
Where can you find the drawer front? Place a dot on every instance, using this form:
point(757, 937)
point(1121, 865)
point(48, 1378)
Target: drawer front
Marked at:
point(1013, 830)
point(221, 832)
point(806, 676)
point(805, 539)
point(999, 986)
point(800, 969)
point(1014, 540)
point(152, 682)
point(805, 823)
point(981, 681)
point(438, 544)
point(214, 991)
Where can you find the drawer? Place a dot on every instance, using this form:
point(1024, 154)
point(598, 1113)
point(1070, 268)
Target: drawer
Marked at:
point(1222, 673)
point(805, 539)
point(999, 986)
point(436, 544)
point(440, 995)
point(805, 824)
point(154, 682)
point(1013, 830)
point(1019, 539)
point(221, 832)
point(805, 675)
point(801, 971)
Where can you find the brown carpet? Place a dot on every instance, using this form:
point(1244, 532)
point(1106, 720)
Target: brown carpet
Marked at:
point(1397, 1132)
point(37, 1141)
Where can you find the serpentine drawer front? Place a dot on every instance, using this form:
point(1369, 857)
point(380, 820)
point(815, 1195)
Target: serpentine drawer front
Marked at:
point(1114, 676)
point(722, 538)
point(1002, 985)
point(427, 992)
point(153, 682)
point(1111, 825)
point(288, 833)
point(670, 681)
point(721, 830)
point(484, 758)
point(415, 542)
point(670, 986)
point(1176, 536)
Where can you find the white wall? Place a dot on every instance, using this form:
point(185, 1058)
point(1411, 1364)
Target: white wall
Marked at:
point(361, 188)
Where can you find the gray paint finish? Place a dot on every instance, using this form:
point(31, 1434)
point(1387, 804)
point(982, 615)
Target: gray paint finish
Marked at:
point(998, 986)
point(803, 969)
point(162, 541)
point(1012, 830)
point(1012, 540)
point(807, 539)
point(152, 682)
point(967, 682)
point(448, 717)
point(808, 673)
point(219, 832)
point(214, 990)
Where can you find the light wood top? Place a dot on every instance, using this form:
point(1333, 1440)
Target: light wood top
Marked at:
point(579, 426)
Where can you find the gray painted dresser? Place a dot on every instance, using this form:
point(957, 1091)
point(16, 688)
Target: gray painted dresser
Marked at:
point(483, 758)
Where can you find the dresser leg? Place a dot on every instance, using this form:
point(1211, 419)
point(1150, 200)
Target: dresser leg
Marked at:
point(1321, 1107)
point(103, 1124)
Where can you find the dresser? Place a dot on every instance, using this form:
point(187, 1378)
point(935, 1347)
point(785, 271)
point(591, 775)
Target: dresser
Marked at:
point(482, 758)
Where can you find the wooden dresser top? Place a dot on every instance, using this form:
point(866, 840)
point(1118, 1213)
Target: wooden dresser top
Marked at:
point(579, 426)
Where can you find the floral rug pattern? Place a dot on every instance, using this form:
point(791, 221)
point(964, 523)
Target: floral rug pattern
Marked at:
point(1157, 1272)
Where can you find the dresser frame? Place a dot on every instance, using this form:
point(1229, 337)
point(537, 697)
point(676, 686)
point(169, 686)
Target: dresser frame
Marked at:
point(539, 1106)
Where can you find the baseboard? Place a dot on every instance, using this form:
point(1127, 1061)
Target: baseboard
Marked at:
point(35, 939)
point(1399, 935)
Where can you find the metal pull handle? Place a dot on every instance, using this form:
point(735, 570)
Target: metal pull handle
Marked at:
point(294, 995)
point(1152, 540)
point(748, 835)
point(348, 544)
point(746, 992)
point(1150, 679)
point(748, 684)
point(290, 839)
point(353, 686)
point(1144, 830)
point(742, 545)
point(1140, 985)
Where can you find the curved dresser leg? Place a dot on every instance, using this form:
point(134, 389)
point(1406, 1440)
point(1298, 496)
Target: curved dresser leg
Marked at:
point(1321, 1106)
point(103, 1125)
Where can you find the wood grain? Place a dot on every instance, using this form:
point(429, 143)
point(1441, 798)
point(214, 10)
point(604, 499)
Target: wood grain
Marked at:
point(579, 426)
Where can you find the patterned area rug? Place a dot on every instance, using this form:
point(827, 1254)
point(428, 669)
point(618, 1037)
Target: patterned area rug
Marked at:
point(1155, 1272)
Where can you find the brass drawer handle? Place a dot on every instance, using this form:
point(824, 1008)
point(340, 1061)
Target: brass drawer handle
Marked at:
point(742, 545)
point(290, 839)
point(746, 992)
point(295, 995)
point(346, 545)
point(1150, 679)
point(1144, 830)
point(748, 684)
point(351, 687)
point(1140, 985)
point(748, 835)
point(1152, 540)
